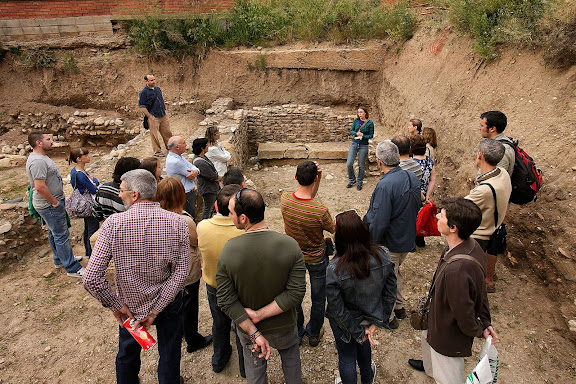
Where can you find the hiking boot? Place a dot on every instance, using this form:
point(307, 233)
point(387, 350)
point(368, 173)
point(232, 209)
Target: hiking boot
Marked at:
point(78, 274)
point(394, 323)
point(400, 313)
point(313, 341)
point(350, 184)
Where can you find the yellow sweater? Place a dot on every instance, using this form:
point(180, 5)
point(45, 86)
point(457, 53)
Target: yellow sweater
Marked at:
point(213, 234)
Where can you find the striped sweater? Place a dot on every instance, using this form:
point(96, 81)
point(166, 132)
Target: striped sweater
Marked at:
point(305, 221)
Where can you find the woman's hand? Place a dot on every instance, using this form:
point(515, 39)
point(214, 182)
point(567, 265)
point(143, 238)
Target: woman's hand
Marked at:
point(359, 134)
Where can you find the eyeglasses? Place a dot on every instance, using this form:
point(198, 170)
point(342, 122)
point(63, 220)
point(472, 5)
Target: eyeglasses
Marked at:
point(346, 211)
point(125, 190)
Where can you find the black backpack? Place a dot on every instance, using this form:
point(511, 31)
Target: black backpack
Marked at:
point(526, 178)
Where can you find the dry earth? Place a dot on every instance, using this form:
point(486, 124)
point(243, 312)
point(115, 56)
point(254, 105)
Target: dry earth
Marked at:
point(54, 332)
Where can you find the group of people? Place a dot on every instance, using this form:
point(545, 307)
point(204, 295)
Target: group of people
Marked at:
point(255, 277)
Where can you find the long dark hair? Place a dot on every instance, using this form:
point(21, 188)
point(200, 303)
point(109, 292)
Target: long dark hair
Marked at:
point(354, 245)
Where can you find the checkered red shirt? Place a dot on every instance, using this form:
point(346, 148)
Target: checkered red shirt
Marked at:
point(150, 249)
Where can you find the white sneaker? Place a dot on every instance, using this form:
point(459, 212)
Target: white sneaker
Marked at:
point(77, 274)
point(338, 380)
point(78, 258)
point(373, 366)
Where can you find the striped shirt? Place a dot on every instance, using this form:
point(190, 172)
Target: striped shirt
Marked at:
point(412, 166)
point(107, 201)
point(150, 249)
point(305, 221)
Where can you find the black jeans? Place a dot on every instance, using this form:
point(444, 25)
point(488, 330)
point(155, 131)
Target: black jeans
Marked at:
point(190, 204)
point(190, 315)
point(209, 199)
point(91, 225)
point(221, 335)
point(169, 332)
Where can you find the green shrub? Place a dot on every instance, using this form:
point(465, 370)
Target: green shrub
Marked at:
point(69, 64)
point(39, 58)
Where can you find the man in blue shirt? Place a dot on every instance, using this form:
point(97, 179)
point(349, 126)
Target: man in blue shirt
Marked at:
point(152, 105)
point(392, 214)
point(178, 166)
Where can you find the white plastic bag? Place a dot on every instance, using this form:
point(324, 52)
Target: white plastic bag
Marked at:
point(486, 371)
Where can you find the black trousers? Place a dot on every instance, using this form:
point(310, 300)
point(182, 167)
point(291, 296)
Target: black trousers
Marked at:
point(190, 318)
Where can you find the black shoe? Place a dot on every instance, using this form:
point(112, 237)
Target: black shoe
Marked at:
point(350, 184)
point(226, 359)
point(416, 364)
point(313, 341)
point(420, 242)
point(359, 187)
point(206, 342)
point(394, 323)
point(400, 313)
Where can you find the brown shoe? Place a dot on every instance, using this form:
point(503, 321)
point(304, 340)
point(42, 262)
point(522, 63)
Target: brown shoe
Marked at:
point(490, 287)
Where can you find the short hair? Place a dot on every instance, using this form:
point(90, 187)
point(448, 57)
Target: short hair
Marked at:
point(417, 145)
point(492, 150)
point(223, 198)
point(172, 142)
point(233, 176)
point(364, 109)
point(306, 173)
point(387, 153)
point(210, 134)
point(429, 135)
point(33, 137)
point(417, 123)
point(146, 76)
point(403, 144)
point(76, 153)
point(198, 145)
point(150, 164)
point(141, 181)
point(124, 165)
point(464, 214)
point(250, 203)
point(495, 119)
point(170, 194)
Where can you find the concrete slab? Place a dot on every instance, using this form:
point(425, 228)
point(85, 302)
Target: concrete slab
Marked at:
point(313, 151)
point(31, 31)
point(49, 29)
point(10, 23)
point(328, 151)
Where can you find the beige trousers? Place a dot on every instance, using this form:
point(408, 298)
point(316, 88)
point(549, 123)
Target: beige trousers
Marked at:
point(159, 125)
point(444, 369)
point(398, 259)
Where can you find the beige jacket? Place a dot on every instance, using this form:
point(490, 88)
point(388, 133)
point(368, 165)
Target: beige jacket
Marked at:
point(195, 259)
point(482, 196)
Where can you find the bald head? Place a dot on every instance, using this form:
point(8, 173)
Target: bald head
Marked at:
point(177, 144)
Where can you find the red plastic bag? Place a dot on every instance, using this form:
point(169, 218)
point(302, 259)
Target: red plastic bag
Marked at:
point(426, 224)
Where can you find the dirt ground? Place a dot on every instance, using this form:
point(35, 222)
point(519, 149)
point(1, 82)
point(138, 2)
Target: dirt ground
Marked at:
point(53, 331)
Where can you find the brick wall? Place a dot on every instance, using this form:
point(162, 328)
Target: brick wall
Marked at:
point(28, 9)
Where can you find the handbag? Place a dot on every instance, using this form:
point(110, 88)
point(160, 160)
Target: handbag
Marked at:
point(420, 310)
point(426, 224)
point(80, 205)
point(497, 243)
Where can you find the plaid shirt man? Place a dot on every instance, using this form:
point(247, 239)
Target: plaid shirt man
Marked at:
point(150, 248)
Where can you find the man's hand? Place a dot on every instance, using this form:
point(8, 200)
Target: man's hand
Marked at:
point(253, 315)
point(491, 332)
point(122, 314)
point(262, 347)
point(192, 175)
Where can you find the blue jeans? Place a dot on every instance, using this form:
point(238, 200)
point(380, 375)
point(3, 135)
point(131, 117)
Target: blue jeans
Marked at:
point(91, 225)
point(169, 331)
point(362, 152)
point(349, 354)
point(59, 237)
point(221, 335)
point(317, 272)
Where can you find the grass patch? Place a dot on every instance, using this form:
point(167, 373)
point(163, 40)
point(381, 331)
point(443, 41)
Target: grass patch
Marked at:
point(38, 58)
point(69, 64)
point(268, 22)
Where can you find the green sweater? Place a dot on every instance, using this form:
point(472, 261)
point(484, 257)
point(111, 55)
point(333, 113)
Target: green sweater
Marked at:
point(256, 268)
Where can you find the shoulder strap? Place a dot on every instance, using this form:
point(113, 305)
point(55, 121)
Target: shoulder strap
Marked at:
point(453, 258)
point(495, 204)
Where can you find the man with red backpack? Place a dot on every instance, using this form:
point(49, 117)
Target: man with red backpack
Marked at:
point(492, 126)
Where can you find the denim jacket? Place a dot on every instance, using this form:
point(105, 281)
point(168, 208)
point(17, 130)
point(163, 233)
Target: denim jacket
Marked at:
point(352, 301)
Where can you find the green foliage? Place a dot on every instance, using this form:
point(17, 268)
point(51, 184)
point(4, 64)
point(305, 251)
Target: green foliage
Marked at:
point(252, 22)
point(39, 58)
point(69, 64)
point(493, 22)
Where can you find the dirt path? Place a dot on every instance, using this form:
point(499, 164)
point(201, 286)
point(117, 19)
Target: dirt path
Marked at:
point(53, 331)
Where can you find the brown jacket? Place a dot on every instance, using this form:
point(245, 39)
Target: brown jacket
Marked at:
point(459, 309)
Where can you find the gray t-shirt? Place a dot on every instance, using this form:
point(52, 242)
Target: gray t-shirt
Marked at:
point(41, 167)
point(412, 166)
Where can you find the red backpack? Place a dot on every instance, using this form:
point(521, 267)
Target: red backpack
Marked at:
point(526, 178)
